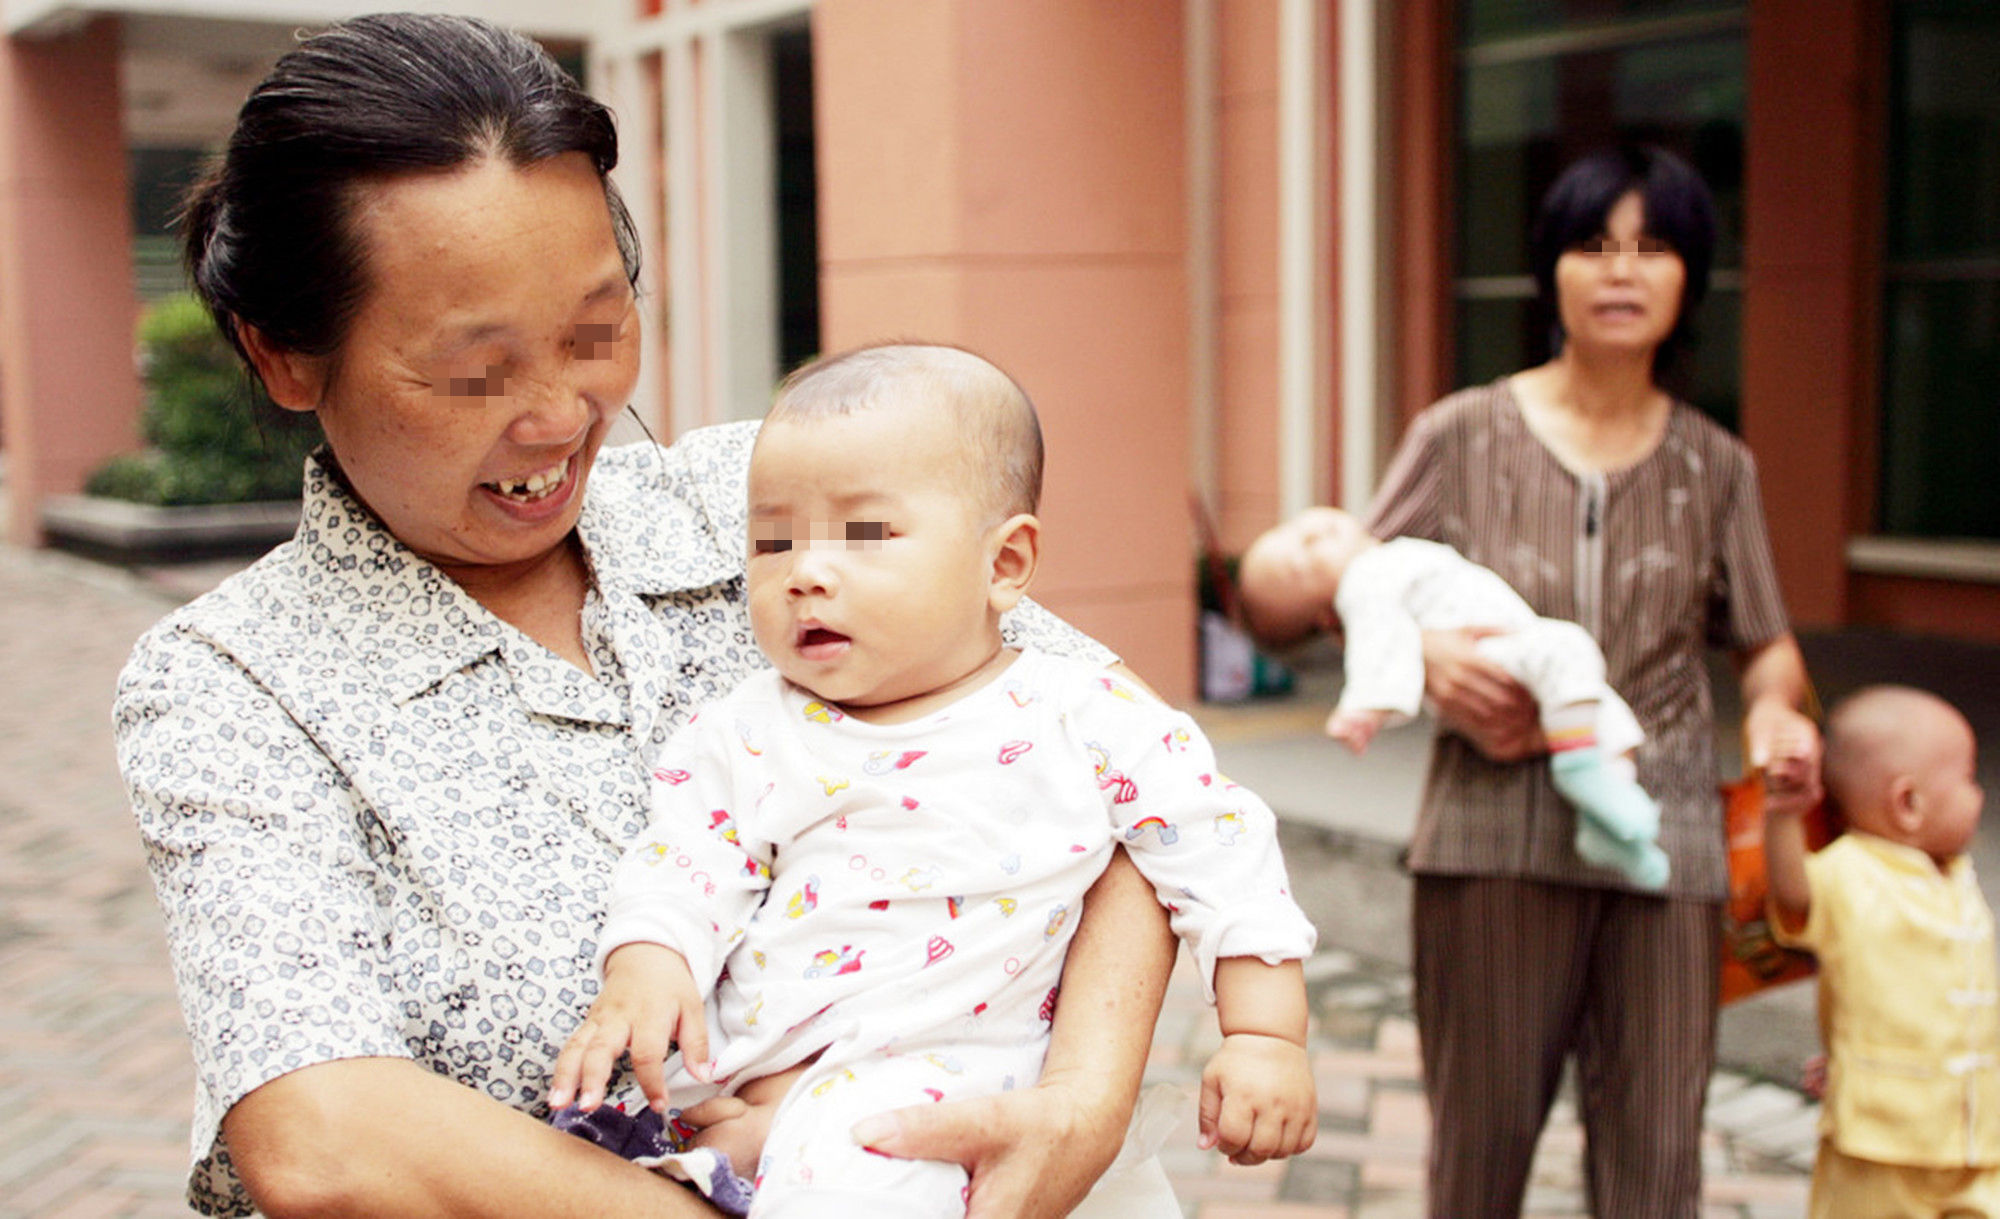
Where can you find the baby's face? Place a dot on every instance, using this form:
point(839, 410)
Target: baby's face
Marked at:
point(869, 573)
point(1292, 571)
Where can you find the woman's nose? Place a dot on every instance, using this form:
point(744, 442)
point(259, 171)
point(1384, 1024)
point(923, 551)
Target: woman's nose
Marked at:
point(550, 412)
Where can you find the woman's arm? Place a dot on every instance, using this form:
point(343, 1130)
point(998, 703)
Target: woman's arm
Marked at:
point(1779, 739)
point(1037, 1151)
point(1479, 700)
point(385, 1138)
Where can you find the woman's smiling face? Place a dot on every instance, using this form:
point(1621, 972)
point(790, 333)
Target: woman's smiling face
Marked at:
point(498, 337)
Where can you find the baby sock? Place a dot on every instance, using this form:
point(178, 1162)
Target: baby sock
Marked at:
point(1642, 862)
point(1619, 806)
point(1617, 822)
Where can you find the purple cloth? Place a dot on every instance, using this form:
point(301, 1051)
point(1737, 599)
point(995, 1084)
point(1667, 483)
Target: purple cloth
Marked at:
point(648, 1136)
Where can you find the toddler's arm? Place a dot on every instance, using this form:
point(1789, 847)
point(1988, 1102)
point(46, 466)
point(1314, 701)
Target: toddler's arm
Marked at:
point(1257, 1096)
point(1785, 862)
point(648, 1003)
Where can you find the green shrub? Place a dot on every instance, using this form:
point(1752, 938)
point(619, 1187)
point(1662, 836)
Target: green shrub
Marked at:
point(215, 436)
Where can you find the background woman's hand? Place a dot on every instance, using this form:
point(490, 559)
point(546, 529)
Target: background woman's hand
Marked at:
point(1479, 700)
point(1784, 744)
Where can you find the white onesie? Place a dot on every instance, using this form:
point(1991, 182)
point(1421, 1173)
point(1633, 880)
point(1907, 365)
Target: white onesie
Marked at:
point(1393, 592)
point(898, 898)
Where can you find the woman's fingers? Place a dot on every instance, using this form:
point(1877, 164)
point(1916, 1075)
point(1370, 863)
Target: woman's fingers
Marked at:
point(1022, 1156)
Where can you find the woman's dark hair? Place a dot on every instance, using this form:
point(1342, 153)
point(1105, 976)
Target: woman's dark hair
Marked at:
point(1679, 211)
point(268, 233)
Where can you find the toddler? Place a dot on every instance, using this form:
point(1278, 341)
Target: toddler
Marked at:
point(1321, 569)
point(864, 866)
point(1907, 986)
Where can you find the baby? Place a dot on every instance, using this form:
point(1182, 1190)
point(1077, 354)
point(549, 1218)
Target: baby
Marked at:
point(869, 861)
point(1321, 569)
point(1907, 985)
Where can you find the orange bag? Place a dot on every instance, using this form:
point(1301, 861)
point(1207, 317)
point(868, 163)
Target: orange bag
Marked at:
point(1752, 960)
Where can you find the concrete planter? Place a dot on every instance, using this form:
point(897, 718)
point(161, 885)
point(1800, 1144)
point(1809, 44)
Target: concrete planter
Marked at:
point(120, 529)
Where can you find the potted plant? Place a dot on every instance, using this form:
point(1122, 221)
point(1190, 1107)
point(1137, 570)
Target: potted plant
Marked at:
point(222, 469)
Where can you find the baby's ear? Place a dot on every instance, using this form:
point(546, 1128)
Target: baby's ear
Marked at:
point(1016, 545)
point(1906, 814)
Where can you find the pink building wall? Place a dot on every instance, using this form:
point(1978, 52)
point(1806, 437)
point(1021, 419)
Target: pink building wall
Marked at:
point(69, 395)
point(1010, 175)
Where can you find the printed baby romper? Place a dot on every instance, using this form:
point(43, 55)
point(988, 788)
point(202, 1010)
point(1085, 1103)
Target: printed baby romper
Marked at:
point(898, 898)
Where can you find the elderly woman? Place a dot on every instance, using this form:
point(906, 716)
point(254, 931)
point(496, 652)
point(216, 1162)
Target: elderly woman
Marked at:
point(383, 775)
point(1605, 501)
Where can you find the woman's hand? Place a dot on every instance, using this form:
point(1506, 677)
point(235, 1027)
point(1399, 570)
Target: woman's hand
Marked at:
point(1033, 1152)
point(1479, 700)
point(1785, 745)
point(1780, 740)
point(649, 1002)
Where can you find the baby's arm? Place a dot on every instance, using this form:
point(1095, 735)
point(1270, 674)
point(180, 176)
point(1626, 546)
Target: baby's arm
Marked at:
point(1258, 1101)
point(1354, 727)
point(648, 1003)
point(1785, 863)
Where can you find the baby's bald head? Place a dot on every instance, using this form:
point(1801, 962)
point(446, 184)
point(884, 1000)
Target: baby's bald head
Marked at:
point(1880, 733)
point(999, 437)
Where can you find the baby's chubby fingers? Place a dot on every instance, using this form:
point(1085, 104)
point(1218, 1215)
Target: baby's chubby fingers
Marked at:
point(587, 1059)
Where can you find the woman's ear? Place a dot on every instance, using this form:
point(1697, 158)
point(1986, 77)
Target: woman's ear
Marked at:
point(1017, 549)
point(294, 381)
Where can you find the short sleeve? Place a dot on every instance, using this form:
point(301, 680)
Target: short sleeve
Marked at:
point(258, 853)
point(1746, 608)
point(1406, 503)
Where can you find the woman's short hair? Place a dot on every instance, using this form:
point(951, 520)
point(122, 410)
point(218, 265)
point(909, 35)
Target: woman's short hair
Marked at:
point(268, 232)
point(1679, 211)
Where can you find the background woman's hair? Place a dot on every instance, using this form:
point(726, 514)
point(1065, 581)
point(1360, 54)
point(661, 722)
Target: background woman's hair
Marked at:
point(1679, 211)
point(268, 233)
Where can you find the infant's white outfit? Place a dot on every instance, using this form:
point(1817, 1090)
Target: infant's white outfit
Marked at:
point(1393, 592)
point(898, 898)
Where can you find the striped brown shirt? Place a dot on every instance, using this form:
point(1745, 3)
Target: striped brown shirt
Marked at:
point(1658, 561)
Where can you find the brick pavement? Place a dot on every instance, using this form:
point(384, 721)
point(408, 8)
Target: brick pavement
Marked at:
point(95, 1074)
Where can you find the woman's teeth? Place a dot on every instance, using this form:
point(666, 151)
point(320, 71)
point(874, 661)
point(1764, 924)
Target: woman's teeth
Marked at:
point(534, 486)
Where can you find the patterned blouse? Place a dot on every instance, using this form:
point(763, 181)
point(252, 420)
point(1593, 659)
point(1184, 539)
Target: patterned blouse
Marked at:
point(1658, 561)
point(381, 821)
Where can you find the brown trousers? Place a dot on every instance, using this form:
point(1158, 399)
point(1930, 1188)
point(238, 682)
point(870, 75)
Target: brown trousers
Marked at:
point(1513, 976)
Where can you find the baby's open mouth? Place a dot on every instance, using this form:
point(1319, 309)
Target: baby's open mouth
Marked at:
point(819, 636)
point(532, 487)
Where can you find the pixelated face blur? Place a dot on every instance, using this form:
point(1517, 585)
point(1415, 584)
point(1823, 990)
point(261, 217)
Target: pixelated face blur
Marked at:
point(1621, 289)
point(870, 570)
point(498, 338)
point(1948, 792)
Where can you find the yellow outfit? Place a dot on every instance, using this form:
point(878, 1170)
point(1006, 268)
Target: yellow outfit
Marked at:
point(1909, 1009)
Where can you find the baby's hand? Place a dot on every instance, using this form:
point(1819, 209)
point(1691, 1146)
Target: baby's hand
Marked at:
point(649, 1002)
point(1355, 729)
point(1257, 1099)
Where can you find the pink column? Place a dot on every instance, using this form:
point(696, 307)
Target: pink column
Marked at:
point(69, 394)
point(1010, 175)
